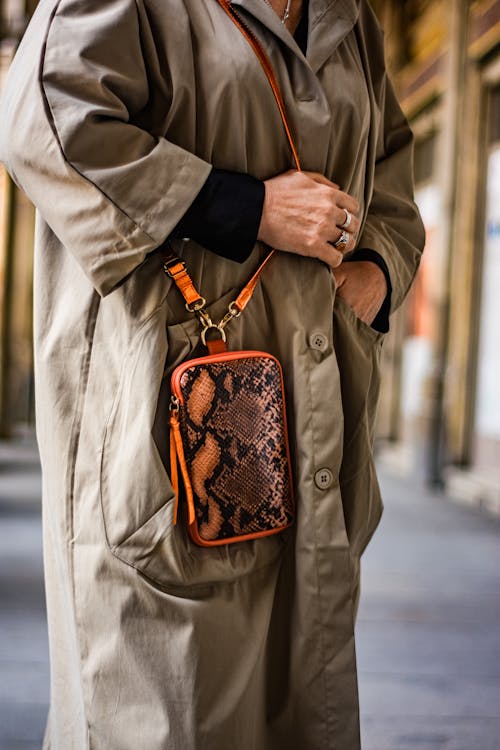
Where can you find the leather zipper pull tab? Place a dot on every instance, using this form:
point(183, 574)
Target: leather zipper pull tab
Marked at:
point(174, 473)
point(174, 476)
point(177, 459)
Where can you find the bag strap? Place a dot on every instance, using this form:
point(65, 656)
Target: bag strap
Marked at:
point(268, 70)
point(175, 267)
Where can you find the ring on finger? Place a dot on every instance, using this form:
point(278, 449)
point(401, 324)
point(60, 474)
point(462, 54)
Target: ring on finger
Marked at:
point(342, 241)
point(348, 219)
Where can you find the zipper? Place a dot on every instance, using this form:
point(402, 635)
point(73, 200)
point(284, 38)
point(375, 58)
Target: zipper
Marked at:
point(177, 459)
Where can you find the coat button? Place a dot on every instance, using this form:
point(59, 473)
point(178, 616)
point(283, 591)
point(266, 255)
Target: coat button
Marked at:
point(318, 341)
point(323, 478)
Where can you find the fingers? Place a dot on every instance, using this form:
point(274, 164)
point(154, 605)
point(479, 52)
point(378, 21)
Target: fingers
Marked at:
point(350, 233)
point(329, 255)
point(344, 247)
point(304, 212)
point(340, 201)
point(340, 220)
point(321, 179)
point(344, 200)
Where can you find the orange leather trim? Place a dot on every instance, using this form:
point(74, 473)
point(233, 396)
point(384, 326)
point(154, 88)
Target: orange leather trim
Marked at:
point(176, 390)
point(174, 476)
point(174, 423)
point(223, 357)
point(246, 293)
point(268, 70)
point(177, 271)
point(193, 533)
point(217, 349)
point(184, 283)
point(217, 346)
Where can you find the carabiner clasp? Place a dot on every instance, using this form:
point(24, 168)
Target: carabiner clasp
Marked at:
point(212, 327)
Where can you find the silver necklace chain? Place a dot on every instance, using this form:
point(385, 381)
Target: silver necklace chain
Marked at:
point(286, 15)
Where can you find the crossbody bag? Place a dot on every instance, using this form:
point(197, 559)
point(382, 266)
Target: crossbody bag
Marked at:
point(228, 425)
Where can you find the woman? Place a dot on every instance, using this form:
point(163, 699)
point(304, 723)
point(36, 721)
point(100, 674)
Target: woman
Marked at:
point(128, 123)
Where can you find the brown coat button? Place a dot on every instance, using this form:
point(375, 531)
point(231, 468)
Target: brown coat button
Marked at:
point(318, 341)
point(323, 478)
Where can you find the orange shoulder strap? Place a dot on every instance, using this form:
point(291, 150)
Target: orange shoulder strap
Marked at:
point(174, 266)
point(268, 70)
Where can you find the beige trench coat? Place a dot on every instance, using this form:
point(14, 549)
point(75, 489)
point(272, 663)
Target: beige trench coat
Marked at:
point(113, 113)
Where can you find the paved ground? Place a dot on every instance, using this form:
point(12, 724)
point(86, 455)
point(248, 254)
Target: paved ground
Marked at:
point(429, 626)
point(428, 630)
point(24, 667)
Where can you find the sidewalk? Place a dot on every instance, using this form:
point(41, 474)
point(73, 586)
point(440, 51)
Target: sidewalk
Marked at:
point(428, 634)
point(24, 661)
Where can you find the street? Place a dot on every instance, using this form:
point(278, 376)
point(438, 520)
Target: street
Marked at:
point(428, 634)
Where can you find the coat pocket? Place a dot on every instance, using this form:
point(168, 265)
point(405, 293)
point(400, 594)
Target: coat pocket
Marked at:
point(358, 348)
point(136, 495)
point(359, 325)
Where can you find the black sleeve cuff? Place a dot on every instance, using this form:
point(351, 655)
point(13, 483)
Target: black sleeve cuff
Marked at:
point(225, 216)
point(381, 322)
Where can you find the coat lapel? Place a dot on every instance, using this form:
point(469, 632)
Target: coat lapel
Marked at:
point(260, 10)
point(329, 23)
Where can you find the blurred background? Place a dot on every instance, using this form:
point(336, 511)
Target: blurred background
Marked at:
point(429, 641)
point(440, 408)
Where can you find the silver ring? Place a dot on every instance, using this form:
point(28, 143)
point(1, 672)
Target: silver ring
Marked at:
point(348, 219)
point(342, 240)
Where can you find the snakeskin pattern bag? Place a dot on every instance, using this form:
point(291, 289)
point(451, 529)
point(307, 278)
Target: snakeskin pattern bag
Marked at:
point(228, 431)
point(229, 436)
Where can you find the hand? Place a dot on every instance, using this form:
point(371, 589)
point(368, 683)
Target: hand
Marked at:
point(362, 284)
point(302, 214)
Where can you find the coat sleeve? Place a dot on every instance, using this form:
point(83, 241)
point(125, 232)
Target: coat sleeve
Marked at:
point(393, 225)
point(109, 189)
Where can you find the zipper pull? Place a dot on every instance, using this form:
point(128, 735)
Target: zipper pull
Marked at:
point(174, 475)
point(177, 459)
point(174, 405)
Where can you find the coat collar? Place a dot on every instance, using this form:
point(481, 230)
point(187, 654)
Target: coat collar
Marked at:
point(329, 23)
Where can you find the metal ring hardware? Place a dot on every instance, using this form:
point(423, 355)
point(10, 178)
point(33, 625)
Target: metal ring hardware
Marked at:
point(232, 312)
point(215, 327)
point(195, 307)
point(206, 321)
point(235, 312)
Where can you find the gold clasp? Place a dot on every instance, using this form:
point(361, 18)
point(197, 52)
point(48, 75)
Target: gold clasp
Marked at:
point(232, 312)
point(204, 318)
point(235, 311)
point(195, 307)
point(174, 405)
point(206, 322)
point(216, 328)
